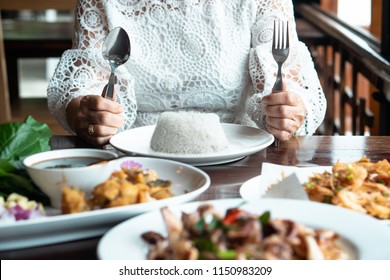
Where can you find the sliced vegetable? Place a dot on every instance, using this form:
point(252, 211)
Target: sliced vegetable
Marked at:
point(227, 254)
point(18, 207)
point(265, 218)
point(202, 226)
point(233, 215)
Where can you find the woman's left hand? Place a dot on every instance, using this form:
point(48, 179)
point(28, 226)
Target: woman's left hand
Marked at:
point(285, 113)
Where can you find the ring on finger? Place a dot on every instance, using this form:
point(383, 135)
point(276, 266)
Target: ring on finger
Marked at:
point(91, 130)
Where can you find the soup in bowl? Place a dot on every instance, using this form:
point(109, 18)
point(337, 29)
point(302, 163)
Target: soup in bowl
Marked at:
point(53, 170)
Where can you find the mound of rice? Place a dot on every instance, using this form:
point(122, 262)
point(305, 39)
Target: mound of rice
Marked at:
point(188, 133)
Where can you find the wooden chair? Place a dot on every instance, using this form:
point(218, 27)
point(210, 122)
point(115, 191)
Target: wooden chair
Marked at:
point(18, 5)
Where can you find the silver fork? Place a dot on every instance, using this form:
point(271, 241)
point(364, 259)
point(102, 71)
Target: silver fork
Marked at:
point(280, 51)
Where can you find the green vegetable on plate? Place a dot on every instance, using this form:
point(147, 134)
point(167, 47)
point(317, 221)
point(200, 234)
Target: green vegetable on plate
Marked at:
point(19, 140)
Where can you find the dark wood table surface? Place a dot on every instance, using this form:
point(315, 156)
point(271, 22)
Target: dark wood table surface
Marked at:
point(226, 179)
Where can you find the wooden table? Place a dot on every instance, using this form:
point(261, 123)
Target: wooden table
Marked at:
point(226, 179)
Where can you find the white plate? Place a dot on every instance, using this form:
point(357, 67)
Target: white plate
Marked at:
point(243, 141)
point(254, 188)
point(257, 186)
point(370, 239)
point(188, 183)
point(271, 174)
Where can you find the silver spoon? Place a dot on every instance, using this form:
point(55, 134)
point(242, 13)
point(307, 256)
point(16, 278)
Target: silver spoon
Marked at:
point(116, 50)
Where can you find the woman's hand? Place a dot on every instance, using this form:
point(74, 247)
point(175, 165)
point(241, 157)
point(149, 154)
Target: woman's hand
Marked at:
point(284, 113)
point(94, 118)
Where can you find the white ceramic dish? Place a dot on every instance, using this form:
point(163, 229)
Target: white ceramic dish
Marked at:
point(188, 183)
point(46, 172)
point(253, 188)
point(257, 186)
point(243, 141)
point(368, 238)
point(271, 174)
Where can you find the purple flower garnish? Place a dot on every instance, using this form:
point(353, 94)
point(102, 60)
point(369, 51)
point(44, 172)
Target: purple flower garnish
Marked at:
point(131, 164)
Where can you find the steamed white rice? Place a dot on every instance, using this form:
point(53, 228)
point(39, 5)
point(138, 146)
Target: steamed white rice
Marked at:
point(188, 133)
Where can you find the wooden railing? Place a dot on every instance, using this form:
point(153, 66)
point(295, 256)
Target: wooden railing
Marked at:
point(345, 58)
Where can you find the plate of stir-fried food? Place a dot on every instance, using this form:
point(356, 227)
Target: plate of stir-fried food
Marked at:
point(239, 229)
point(362, 186)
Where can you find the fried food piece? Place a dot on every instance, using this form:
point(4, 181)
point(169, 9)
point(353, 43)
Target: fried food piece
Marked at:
point(114, 193)
point(161, 193)
point(137, 175)
point(128, 194)
point(145, 196)
point(106, 192)
point(124, 187)
point(73, 201)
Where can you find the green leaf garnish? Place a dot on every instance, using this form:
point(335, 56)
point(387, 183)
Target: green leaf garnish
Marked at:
point(19, 140)
point(265, 218)
point(310, 185)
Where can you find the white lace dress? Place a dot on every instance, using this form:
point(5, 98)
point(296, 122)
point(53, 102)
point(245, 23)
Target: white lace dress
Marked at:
point(204, 55)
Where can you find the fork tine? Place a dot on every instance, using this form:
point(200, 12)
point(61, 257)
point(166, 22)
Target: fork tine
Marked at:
point(282, 35)
point(287, 37)
point(274, 37)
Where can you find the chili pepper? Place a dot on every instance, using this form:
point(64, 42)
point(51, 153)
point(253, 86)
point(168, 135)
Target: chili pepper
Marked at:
point(232, 215)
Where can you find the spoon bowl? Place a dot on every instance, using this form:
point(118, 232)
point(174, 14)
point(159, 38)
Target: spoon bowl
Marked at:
point(116, 50)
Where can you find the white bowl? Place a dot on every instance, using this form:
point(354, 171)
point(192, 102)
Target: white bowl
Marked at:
point(47, 170)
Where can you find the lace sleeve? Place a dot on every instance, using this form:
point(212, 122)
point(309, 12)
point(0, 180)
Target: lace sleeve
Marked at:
point(82, 69)
point(299, 71)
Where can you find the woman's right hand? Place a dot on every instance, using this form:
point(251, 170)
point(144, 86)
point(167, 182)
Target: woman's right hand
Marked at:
point(94, 118)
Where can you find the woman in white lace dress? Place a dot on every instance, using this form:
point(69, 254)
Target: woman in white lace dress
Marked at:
point(204, 55)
